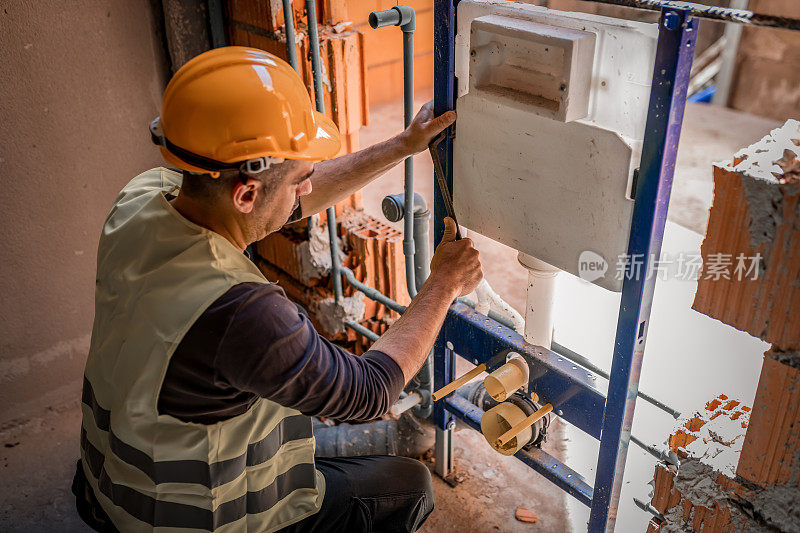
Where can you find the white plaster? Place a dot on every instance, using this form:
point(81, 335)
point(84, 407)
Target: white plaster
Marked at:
point(332, 317)
point(761, 159)
point(315, 253)
point(761, 167)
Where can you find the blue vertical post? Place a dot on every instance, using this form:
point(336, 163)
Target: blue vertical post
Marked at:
point(673, 63)
point(444, 92)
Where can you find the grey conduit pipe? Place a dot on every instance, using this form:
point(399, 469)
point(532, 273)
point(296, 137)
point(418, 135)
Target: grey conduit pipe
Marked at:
point(405, 436)
point(291, 44)
point(319, 97)
point(394, 209)
point(415, 213)
point(358, 328)
point(405, 17)
point(371, 293)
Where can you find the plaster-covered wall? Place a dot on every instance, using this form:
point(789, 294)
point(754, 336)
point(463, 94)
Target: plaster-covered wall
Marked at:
point(81, 80)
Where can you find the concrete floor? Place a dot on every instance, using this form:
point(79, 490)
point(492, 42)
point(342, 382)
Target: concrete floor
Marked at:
point(38, 455)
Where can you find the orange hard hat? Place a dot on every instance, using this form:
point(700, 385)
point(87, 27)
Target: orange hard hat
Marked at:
point(235, 105)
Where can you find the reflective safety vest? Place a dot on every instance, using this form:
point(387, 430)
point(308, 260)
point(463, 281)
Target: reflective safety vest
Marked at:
point(156, 274)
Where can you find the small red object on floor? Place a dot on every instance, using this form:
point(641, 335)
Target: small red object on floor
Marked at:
point(526, 515)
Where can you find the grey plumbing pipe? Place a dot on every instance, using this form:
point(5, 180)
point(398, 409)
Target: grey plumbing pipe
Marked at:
point(316, 65)
point(422, 250)
point(291, 44)
point(393, 207)
point(422, 382)
point(319, 97)
point(416, 214)
point(371, 293)
point(358, 328)
point(291, 48)
point(405, 17)
point(494, 315)
point(405, 436)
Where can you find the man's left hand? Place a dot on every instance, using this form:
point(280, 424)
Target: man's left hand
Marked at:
point(424, 128)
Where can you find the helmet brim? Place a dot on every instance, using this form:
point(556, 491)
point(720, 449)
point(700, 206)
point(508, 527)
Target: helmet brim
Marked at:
point(326, 143)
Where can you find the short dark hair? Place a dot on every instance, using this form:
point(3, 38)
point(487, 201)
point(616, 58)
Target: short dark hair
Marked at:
point(204, 187)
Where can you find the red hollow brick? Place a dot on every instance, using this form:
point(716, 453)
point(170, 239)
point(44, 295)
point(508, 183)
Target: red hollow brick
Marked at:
point(767, 307)
point(771, 451)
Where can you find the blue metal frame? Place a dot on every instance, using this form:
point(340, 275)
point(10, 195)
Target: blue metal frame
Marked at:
point(571, 389)
point(444, 93)
point(673, 64)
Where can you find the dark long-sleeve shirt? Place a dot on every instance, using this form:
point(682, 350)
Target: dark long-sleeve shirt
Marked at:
point(252, 342)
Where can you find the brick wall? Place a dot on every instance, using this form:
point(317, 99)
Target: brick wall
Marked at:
point(756, 212)
point(754, 217)
point(372, 249)
point(767, 78)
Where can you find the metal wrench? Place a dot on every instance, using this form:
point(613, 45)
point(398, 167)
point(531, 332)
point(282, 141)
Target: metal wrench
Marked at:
point(441, 180)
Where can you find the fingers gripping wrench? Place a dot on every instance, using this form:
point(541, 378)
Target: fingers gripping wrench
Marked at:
point(441, 180)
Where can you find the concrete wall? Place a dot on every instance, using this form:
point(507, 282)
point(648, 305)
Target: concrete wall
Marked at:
point(81, 82)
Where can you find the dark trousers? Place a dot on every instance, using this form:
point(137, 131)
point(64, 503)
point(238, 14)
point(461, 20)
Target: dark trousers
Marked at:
point(373, 493)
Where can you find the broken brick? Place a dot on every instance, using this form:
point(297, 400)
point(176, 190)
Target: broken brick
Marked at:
point(676, 493)
point(376, 258)
point(771, 451)
point(756, 214)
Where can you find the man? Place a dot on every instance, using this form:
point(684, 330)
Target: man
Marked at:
point(202, 376)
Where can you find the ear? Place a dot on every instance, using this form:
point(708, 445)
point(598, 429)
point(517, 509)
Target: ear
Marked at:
point(244, 195)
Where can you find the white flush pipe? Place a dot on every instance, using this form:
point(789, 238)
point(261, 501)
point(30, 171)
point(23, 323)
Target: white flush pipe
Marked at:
point(490, 300)
point(539, 304)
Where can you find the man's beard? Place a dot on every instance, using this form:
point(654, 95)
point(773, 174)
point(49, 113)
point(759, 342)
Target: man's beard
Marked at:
point(291, 213)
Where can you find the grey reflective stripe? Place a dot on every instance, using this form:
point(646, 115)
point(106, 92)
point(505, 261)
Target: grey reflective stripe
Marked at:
point(102, 417)
point(159, 513)
point(193, 471)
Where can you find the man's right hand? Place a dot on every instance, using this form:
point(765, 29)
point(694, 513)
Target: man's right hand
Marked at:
point(455, 263)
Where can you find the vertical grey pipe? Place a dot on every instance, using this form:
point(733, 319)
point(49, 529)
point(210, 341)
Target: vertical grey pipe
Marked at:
point(408, 116)
point(216, 23)
point(405, 17)
point(291, 40)
point(316, 65)
point(422, 251)
point(394, 209)
point(291, 48)
point(319, 97)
